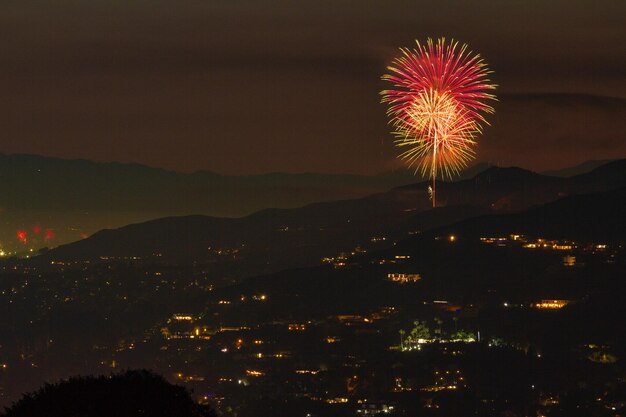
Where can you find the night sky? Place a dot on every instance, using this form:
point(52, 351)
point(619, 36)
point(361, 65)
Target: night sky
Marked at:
point(244, 87)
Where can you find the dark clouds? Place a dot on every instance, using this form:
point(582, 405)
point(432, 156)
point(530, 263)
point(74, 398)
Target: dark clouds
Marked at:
point(539, 131)
point(250, 86)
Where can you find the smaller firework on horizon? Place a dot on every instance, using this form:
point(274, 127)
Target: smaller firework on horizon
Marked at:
point(438, 107)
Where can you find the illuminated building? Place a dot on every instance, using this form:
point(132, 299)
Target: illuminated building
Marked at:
point(551, 304)
point(403, 278)
point(233, 329)
point(367, 408)
point(493, 239)
point(562, 247)
point(337, 400)
point(569, 260)
point(182, 317)
point(250, 372)
point(307, 371)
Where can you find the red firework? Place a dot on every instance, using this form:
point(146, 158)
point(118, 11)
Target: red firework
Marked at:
point(22, 236)
point(445, 68)
point(437, 106)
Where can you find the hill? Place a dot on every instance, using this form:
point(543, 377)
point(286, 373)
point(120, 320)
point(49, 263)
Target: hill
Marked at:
point(132, 393)
point(275, 239)
point(577, 169)
point(596, 217)
point(75, 198)
point(465, 269)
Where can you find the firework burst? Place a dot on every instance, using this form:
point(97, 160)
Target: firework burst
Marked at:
point(437, 106)
point(438, 135)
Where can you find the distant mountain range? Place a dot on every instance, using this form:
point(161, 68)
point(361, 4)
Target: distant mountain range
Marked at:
point(495, 200)
point(31, 182)
point(55, 201)
point(578, 169)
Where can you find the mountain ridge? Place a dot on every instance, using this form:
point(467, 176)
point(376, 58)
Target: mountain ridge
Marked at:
point(275, 239)
point(73, 204)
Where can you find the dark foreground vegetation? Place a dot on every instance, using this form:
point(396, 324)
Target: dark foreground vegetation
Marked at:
point(127, 394)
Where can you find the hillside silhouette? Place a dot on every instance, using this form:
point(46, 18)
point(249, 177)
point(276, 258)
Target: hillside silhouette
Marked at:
point(129, 394)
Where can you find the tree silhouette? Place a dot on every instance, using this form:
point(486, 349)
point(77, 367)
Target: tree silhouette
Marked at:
point(418, 332)
point(128, 394)
point(438, 330)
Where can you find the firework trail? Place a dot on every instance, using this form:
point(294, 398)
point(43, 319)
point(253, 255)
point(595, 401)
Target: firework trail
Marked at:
point(437, 106)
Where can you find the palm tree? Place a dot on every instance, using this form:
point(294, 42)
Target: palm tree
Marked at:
point(438, 329)
point(420, 331)
point(402, 333)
